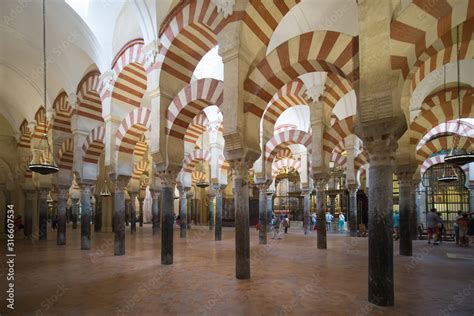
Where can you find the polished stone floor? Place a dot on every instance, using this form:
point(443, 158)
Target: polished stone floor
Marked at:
point(289, 277)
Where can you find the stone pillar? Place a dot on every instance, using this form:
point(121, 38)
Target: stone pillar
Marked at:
point(133, 211)
point(218, 230)
point(155, 210)
point(242, 232)
point(269, 209)
point(63, 192)
point(353, 188)
point(119, 214)
point(127, 208)
point(381, 155)
point(332, 197)
point(405, 188)
point(75, 212)
point(140, 215)
point(413, 214)
point(98, 213)
point(168, 181)
point(307, 211)
point(86, 216)
point(183, 211)
point(262, 213)
point(320, 185)
point(211, 195)
point(43, 213)
point(29, 204)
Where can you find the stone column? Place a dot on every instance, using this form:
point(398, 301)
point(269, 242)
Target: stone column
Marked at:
point(262, 213)
point(75, 212)
point(140, 215)
point(307, 211)
point(332, 197)
point(86, 216)
point(119, 214)
point(63, 193)
point(405, 187)
point(156, 224)
point(168, 181)
point(242, 232)
point(269, 209)
point(413, 214)
point(30, 196)
point(98, 213)
point(353, 188)
point(133, 211)
point(218, 230)
point(43, 213)
point(381, 155)
point(127, 208)
point(211, 195)
point(320, 185)
point(182, 211)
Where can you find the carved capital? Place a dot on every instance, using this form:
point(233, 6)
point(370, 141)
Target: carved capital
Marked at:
point(43, 193)
point(63, 192)
point(352, 188)
point(155, 194)
point(217, 189)
point(320, 183)
point(120, 182)
point(168, 177)
point(226, 7)
point(241, 168)
point(382, 150)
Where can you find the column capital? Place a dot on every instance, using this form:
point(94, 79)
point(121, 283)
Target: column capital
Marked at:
point(63, 192)
point(168, 177)
point(218, 188)
point(43, 193)
point(133, 194)
point(30, 194)
point(241, 168)
point(381, 150)
point(120, 182)
point(352, 188)
point(263, 186)
point(155, 194)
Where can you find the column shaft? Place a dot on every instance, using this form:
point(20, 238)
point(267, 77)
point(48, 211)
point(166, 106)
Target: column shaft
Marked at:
point(182, 212)
point(98, 213)
point(262, 214)
point(218, 229)
point(353, 210)
point(320, 213)
point(86, 217)
point(133, 212)
point(156, 223)
point(43, 213)
point(167, 225)
point(140, 216)
point(30, 195)
point(405, 186)
point(119, 215)
point(211, 211)
point(307, 212)
point(269, 210)
point(62, 203)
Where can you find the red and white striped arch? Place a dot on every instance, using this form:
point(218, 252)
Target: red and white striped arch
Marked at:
point(140, 147)
point(420, 25)
point(334, 135)
point(285, 163)
point(25, 136)
point(193, 158)
point(40, 128)
point(63, 113)
point(133, 126)
point(282, 140)
point(435, 160)
point(189, 102)
point(461, 128)
point(224, 165)
point(361, 160)
point(196, 128)
point(327, 51)
point(139, 168)
point(89, 102)
point(94, 145)
point(443, 143)
point(66, 155)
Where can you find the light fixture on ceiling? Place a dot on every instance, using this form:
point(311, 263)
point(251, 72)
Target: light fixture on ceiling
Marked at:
point(457, 156)
point(202, 182)
point(105, 189)
point(449, 174)
point(46, 164)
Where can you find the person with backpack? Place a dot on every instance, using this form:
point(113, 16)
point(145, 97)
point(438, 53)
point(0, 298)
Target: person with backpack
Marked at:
point(286, 223)
point(277, 224)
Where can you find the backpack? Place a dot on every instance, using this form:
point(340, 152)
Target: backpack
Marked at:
point(285, 223)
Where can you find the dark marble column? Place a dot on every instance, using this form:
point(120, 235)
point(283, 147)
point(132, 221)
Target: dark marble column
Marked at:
point(183, 211)
point(86, 216)
point(75, 212)
point(413, 213)
point(242, 232)
point(156, 224)
point(63, 193)
point(353, 209)
point(140, 214)
point(127, 209)
point(307, 211)
point(98, 213)
point(43, 213)
point(168, 182)
point(133, 211)
point(381, 155)
point(269, 209)
point(211, 195)
point(332, 197)
point(320, 184)
point(119, 214)
point(262, 212)
point(405, 187)
point(30, 195)
point(218, 229)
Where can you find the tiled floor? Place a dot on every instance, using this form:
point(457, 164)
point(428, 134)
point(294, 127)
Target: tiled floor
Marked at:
point(289, 276)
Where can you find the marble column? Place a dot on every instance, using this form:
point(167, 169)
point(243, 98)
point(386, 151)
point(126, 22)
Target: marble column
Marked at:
point(405, 187)
point(168, 182)
point(218, 229)
point(413, 213)
point(127, 208)
point(353, 188)
point(332, 197)
point(140, 214)
point(43, 213)
point(211, 195)
point(30, 196)
point(242, 229)
point(86, 216)
point(307, 211)
point(133, 211)
point(381, 155)
point(183, 211)
point(320, 186)
point(63, 193)
point(98, 213)
point(155, 210)
point(119, 214)
point(262, 213)
point(75, 212)
point(269, 209)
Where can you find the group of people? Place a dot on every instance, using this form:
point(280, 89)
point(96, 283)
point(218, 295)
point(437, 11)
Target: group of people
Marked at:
point(463, 228)
point(279, 223)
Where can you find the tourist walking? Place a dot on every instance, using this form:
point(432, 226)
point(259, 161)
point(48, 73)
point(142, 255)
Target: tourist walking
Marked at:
point(441, 229)
point(276, 224)
point(456, 226)
point(313, 221)
point(432, 225)
point(286, 223)
point(463, 227)
point(329, 219)
point(396, 225)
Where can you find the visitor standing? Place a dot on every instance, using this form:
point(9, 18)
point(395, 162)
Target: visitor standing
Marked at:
point(340, 222)
point(313, 220)
point(286, 223)
point(329, 219)
point(456, 226)
point(441, 230)
point(432, 225)
point(277, 223)
point(463, 227)
point(396, 225)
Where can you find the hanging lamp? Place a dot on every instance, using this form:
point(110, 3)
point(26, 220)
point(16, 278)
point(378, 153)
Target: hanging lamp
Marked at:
point(202, 183)
point(449, 174)
point(105, 189)
point(457, 156)
point(46, 164)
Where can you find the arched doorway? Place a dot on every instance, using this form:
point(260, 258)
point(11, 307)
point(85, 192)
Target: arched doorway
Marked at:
point(288, 199)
